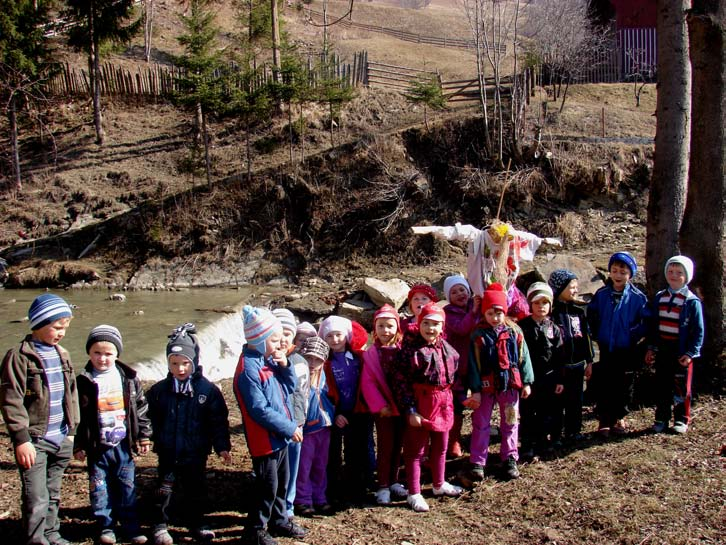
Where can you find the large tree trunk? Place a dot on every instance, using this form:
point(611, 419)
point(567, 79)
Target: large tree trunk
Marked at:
point(276, 41)
point(13, 121)
point(702, 232)
point(667, 198)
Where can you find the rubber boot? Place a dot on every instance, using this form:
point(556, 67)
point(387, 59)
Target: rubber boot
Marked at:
point(454, 448)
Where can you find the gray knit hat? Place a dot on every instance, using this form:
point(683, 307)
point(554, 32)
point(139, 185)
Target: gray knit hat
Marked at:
point(183, 342)
point(105, 333)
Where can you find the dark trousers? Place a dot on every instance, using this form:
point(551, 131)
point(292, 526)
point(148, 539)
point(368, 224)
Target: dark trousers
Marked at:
point(541, 412)
point(572, 396)
point(613, 381)
point(348, 460)
point(186, 485)
point(272, 473)
point(673, 387)
point(112, 489)
point(41, 489)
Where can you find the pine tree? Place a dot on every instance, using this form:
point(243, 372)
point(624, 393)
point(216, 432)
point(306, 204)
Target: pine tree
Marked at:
point(426, 91)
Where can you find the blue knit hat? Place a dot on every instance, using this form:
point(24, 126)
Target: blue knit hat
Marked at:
point(626, 258)
point(559, 279)
point(259, 324)
point(46, 309)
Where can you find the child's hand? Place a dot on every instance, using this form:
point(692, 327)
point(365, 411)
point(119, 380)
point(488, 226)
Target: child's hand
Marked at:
point(80, 455)
point(279, 357)
point(559, 388)
point(472, 402)
point(650, 357)
point(226, 457)
point(588, 371)
point(526, 391)
point(685, 360)
point(297, 437)
point(25, 455)
point(386, 411)
point(143, 448)
point(341, 421)
point(415, 420)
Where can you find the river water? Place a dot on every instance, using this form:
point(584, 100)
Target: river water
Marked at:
point(144, 319)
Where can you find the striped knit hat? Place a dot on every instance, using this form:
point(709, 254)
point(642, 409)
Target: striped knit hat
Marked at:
point(259, 324)
point(46, 309)
point(540, 289)
point(286, 319)
point(105, 333)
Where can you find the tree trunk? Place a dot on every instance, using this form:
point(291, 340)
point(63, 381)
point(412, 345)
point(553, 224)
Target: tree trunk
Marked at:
point(13, 121)
point(702, 232)
point(275, 42)
point(667, 197)
point(148, 27)
point(95, 75)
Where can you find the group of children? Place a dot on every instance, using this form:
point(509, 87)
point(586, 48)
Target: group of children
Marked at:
point(311, 398)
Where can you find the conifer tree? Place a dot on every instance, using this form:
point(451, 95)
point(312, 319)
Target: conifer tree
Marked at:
point(426, 91)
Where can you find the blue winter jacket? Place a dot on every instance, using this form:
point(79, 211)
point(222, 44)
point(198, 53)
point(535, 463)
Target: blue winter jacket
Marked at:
point(622, 325)
point(690, 326)
point(321, 410)
point(264, 392)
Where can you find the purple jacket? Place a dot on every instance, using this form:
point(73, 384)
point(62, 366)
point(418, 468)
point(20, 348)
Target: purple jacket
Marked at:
point(374, 385)
point(460, 323)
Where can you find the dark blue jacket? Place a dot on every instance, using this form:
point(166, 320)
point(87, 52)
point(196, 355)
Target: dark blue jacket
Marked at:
point(186, 428)
point(577, 344)
point(622, 326)
point(690, 326)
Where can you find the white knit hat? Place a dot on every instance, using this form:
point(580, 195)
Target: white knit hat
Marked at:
point(683, 261)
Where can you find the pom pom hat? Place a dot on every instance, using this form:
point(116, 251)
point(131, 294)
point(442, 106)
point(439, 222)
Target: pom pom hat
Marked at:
point(538, 290)
point(626, 258)
point(559, 279)
point(46, 309)
point(684, 262)
point(105, 333)
point(432, 311)
point(494, 297)
point(183, 342)
point(259, 324)
point(427, 290)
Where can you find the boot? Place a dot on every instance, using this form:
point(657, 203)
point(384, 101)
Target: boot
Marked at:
point(454, 448)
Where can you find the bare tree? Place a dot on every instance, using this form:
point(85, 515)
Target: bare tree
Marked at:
point(148, 27)
point(667, 198)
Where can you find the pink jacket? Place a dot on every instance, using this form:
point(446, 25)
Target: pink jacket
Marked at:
point(460, 323)
point(374, 386)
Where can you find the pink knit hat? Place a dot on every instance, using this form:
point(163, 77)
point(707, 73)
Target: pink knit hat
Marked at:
point(432, 311)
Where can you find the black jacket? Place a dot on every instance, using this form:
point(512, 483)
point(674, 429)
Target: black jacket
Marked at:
point(138, 425)
point(186, 428)
point(544, 351)
point(572, 320)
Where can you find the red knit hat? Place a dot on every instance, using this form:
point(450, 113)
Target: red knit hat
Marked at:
point(387, 311)
point(494, 297)
point(427, 290)
point(431, 311)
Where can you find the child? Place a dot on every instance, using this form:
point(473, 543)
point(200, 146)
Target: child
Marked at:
point(542, 411)
point(304, 330)
point(378, 368)
point(674, 342)
point(462, 315)
point(418, 296)
point(617, 316)
point(425, 372)
point(264, 383)
point(299, 396)
point(312, 477)
point(39, 403)
point(349, 436)
point(577, 349)
point(114, 424)
point(188, 418)
point(499, 369)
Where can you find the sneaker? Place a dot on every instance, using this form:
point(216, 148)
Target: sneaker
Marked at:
point(107, 537)
point(680, 427)
point(448, 489)
point(511, 471)
point(203, 533)
point(305, 510)
point(163, 537)
point(383, 496)
point(399, 491)
point(289, 529)
point(417, 503)
point(477, 472)
point(263, 537)
point(139, 540)
point(658, 427)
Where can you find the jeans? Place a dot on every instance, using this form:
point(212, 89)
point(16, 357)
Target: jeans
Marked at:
point(293, 457)
point(41, 488)
point(112, 489)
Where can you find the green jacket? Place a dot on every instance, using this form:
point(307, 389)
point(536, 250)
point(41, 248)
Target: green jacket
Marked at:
point(24, 394)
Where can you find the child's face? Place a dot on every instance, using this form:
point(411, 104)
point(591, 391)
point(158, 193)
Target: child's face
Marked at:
point(386, 329)
point(273, 343)
point(180, 366)
point(300, 337)
point(52, 333)
point(103, 355)
point(494, 316)
point(619, 274)
point(569, 293)
point(286, 341)
point(417, 302)
point(431, 330)
point(676, 276)
point(540, 308)
point(314, 362)
point(459, 295)
point(336, 341)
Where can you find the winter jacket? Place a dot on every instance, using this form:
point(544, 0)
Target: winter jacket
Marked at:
point(138, 424)
point(302, 387)
point(186, 428)
point(544, 342)
point(320, 409)
point(618, 326)
point(690, 325)
point(460, 323)
point(373, 382)
point(577, 343)
point(334, 393)
point(489, 370)
point(24, 394)
point(264, 393)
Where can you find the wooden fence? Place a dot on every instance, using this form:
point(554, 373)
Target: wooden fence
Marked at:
point(396, 77)
point(441, 41)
